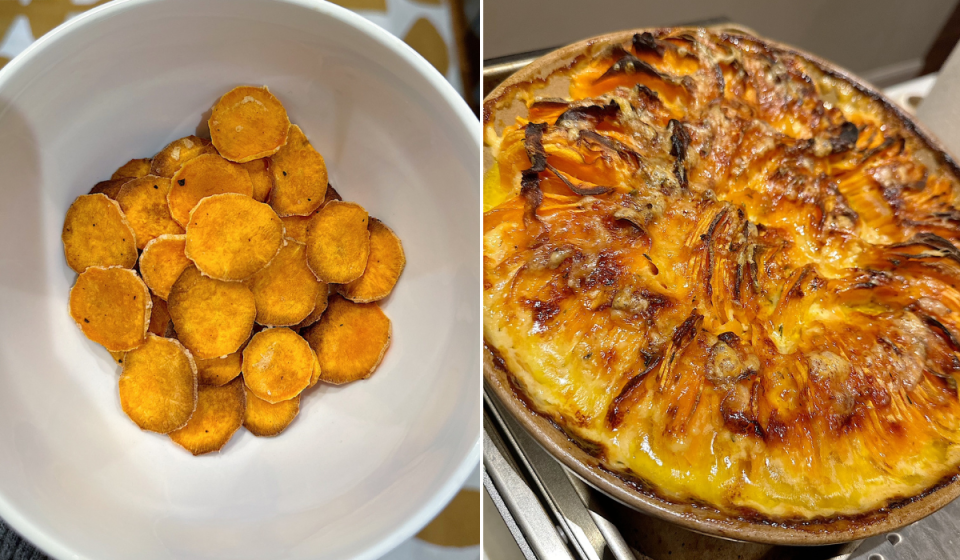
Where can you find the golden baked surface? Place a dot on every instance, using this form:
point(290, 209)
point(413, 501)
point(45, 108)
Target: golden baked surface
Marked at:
point(734, 273)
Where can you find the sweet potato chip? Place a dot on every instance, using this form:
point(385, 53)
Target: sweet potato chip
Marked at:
point(315, 378)
point(220, 371)
point(299, 177)
point(338, 242)
point(260, 177)
point(264, 419)
point(162, 261)
point(144, 203)
point(111, 306)
point(318, 308)
point(110, 188)
point(96, 233)
point(295, 227)
point(286, 290)
point(278, 364)
point(232, 236)
point(158, 386)
point(218, 416)
point(384, 266)
point(204, 176)
point(248, 123)
point(212, 318)
point(176, 153)
point(159, 316)
point(133, 169)
point(350, 340)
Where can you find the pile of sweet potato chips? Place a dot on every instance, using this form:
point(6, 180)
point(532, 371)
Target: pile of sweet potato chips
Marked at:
point(226, 277)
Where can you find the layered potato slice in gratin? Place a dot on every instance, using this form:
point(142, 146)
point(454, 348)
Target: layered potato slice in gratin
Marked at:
point(731, 272)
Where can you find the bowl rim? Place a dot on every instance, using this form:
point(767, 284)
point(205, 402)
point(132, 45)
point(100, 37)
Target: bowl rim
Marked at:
point(702, 520)
point(447, 489)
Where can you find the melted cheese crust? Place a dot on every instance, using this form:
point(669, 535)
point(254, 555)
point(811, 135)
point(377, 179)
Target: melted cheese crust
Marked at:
point(732, 272)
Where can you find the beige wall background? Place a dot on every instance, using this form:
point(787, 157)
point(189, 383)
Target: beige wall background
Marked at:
point(884, 41)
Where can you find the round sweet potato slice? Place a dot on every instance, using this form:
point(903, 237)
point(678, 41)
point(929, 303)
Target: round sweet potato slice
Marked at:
point(211, 317)
point(260, 177)
point(248, 123)
point(264, 419)
point(384, 266)
point(111, 306)
point(232, 236)
point(158, 386)
point(350, 340)
point(159, 316)
point(111, 188)
point(338, 242)
point(133, 169)
point(318, 308)
point(144, 203)
point(286, 290)
point(220, 371)
point(218, 416)
point(162, 262)
point(96, 233)
point(204, 176)
point(176, 153)
point(299, 177)
point(278, 364)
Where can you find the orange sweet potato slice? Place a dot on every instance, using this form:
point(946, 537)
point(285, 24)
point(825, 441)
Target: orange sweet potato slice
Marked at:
point(338, 242)
point(248, 123)
point(384, 266)
point(133, 169)
point(264, 419)
point(260, 177)
point(295, 227)
point(350, 340)
point(232, 236)
point(111, 306)
point(218, 416)
point(220, 371)
point(96, 233)
point(212, 318)
point(286, 290)
point(158, 386)
point(319, 307)
point(176, 153)
point(159, 316)
point(299, 177)
point(111, 188)
point(144, 203)
point(162, 262)
point(204, 176)
point(278, 364)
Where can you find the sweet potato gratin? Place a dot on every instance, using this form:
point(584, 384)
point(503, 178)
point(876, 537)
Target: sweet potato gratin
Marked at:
point(729, 272)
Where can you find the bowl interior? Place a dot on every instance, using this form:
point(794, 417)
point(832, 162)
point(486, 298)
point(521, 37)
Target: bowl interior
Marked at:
point(365, 465)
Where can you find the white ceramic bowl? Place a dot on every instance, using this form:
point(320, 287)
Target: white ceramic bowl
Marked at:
point(365, 465)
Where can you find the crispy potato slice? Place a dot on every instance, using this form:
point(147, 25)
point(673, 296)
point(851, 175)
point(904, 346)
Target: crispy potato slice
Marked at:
point(278, 364)
point(111, 188)
point(212, 318)
point(176, 153)
point(299, 177)
point(111, 306)
point(318, 308)
point(260, 177)
point(264, 419)
point(133, 169)
point(286, 290)
point(315, 378)
point(162, 262)
point(220, 371)
point(203, 176)
point(159, 316)
point(350, 340)
point(96, 233)
point(218, 416)
point(338, 242)
point(248, 123)
point(158, 386)
point(384, 267)
point(232, 236)
point(144, 203)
